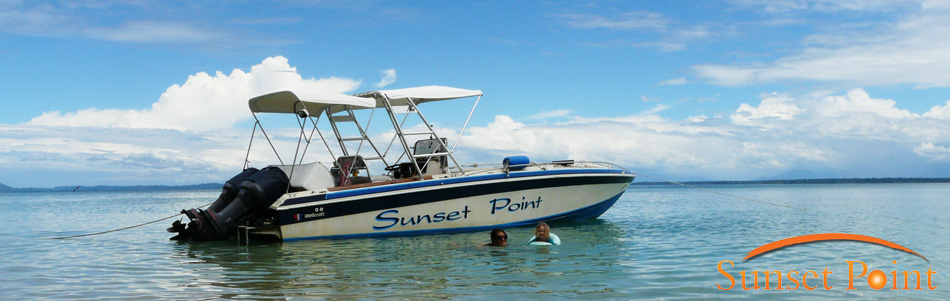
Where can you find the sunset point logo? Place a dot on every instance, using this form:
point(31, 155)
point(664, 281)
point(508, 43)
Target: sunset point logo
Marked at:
point(824, 237)
point(876, 279)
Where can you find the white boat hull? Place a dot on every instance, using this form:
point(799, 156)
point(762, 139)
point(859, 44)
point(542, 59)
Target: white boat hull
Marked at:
point(452, 205)
point(421, 193)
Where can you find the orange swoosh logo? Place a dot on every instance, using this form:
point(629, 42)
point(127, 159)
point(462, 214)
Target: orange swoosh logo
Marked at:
point(824, 237)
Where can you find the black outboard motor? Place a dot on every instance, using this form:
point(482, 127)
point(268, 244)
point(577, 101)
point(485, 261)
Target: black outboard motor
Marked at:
point(231, 189)
point(228, 192)
point(257, 191)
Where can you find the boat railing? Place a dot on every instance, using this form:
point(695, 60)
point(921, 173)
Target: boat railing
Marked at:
point(481, 165)
point(487, 168)
point(607, 164)
point(493, 167)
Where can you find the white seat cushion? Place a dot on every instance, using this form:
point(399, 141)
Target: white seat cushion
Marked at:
point(310, 176)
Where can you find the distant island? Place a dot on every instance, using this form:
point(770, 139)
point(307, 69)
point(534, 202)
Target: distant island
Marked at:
point(5, 188)
point(807, 181)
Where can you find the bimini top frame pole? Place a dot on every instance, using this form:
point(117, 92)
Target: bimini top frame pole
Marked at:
point(301, 103)
point(411, 98)
point(459, 137)
point(402, 138)
point(303, 115)
point(304, 102)
point(432, 132)
point(257, 124)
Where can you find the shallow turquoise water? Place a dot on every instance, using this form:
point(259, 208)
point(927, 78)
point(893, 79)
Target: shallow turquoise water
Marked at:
point(657, 242)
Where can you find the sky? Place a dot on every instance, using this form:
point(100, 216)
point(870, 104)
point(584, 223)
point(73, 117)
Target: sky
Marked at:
point(155, 92)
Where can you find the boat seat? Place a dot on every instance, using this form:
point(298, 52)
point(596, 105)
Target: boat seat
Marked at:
point(310, 176)
point(353, 165)
point(432, 165)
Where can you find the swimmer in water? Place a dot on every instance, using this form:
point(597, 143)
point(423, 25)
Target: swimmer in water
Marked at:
point(498, 238)
point(543, 236)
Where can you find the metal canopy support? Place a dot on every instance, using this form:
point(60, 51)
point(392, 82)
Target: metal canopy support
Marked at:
point(466, 124)
point(432, 131)
point(391, 141)
point(257, 124)
point(383, 100)
point(302, 122)
point(402, 139)
point(351, 117)
point(324, 139)
point(402, 135)
point(247, 163)
point(336, 131)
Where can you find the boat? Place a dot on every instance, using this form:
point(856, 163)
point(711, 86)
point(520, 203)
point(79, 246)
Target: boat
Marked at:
point(423, 191)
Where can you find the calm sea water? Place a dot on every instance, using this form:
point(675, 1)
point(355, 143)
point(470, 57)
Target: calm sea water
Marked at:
point(657, 242)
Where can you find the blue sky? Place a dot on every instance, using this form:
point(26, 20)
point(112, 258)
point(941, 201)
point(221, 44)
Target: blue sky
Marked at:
point(155, 92)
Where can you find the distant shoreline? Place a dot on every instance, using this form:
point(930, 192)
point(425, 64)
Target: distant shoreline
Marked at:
point(4, 188)
point(808, 181)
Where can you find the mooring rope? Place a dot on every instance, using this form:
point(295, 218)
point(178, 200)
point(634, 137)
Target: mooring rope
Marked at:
point(721, 193)
point(126, 228)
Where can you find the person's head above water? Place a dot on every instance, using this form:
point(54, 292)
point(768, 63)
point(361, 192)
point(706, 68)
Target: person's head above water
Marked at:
point(498, 237)
point(542, 232)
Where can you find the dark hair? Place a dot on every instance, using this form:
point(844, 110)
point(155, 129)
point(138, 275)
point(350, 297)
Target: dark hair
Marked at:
point(496, 231)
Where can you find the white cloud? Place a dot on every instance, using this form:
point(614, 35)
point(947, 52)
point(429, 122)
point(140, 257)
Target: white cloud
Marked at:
point(634, 141)
point(72, 20)
point(933, 152)
point(42, 20)
point(773, 106)
point(658, 108)
point(855, 115)
point(549, 114)
point(935, 4)
point(156, 32)
point(858, 101)
point(939, 112)
point(852, 135)
point(669, 35)
point(912, 50)
point(626, 21)
point(114, 156)
point(55, 155)
point(203, 101)
point(389, 76)
point(785, 6)
point(699, 118)
point(673, 82)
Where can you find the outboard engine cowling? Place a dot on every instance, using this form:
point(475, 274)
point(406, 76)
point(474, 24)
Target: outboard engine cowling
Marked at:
point(257, 192)
point(231, 189)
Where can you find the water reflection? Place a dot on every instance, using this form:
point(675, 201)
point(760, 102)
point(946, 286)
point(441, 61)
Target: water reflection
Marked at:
point(660, 242)
point(434, 266)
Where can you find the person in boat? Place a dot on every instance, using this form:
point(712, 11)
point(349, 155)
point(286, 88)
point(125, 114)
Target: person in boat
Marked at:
point(498, 238)
point(543, 236)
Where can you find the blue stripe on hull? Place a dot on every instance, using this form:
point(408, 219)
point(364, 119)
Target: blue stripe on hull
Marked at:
point(449, 181)
point(445, 192)
point(589, 212)
point(525, 174)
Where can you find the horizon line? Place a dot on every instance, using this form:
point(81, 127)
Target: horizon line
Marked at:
point(871, 180)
